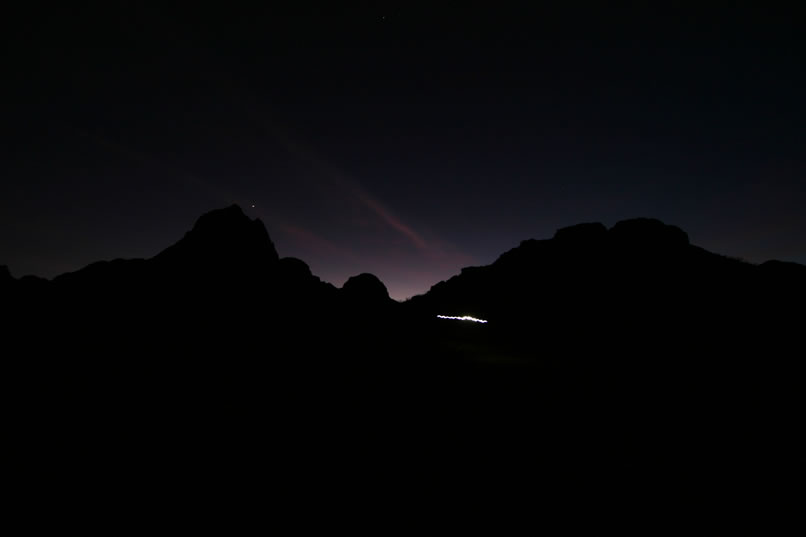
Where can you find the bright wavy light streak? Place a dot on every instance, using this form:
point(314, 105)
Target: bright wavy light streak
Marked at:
point(463, 318)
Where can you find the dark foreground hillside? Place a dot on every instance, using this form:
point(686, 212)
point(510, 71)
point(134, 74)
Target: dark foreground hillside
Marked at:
point(623, 374)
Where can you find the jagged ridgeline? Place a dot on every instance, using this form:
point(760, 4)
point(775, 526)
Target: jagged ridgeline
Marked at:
point(625, 288)
point(636, 283)
point(605, 350)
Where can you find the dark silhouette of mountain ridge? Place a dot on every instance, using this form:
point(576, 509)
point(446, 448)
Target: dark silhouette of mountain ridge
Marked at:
point(636, 260)
point(224, 236)
point(627, 354)
point(224, 244)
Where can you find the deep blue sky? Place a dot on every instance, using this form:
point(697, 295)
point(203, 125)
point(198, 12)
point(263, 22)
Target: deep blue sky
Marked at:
point(401, 140)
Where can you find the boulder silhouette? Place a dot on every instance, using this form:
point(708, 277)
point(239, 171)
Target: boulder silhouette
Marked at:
point(365, 290)
point(295, 269)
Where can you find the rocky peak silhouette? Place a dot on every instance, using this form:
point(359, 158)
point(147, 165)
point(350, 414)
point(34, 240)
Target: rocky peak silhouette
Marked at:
point(224, 237)
point(366, 289)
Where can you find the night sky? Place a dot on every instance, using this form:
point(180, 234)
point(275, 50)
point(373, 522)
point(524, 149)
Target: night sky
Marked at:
point(398, 138)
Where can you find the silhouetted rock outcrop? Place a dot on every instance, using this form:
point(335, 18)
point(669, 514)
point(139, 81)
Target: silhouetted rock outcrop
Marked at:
point(224, 242)
point(224, 250)
point(785, 269)
point(295, 269)
point(300, 289)
point(587, 233)
point(648, 234)
point(366, 290)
